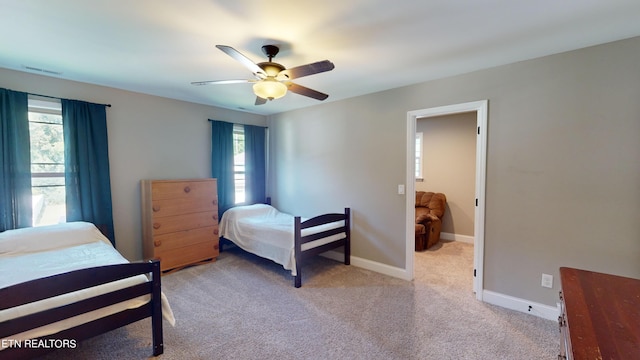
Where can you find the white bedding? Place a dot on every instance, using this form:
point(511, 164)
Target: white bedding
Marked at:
point(31, 253)
point(263, 230)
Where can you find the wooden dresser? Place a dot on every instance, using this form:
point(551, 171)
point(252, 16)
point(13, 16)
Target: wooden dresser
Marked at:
point(600, 316)
point(180, 221)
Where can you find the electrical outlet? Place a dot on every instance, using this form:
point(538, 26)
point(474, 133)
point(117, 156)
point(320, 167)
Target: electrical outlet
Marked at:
point(547, 280)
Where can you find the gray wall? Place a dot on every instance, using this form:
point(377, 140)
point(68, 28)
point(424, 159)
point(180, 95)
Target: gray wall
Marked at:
point(563, 165)
point(149, 138)
point(449, 167)
point(347, 153)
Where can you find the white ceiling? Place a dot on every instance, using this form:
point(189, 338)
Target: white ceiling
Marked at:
point(159, 47)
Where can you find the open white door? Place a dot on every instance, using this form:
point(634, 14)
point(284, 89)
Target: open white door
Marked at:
point(481, 110)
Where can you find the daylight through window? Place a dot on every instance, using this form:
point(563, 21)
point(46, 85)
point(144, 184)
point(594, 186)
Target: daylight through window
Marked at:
point(47, 162)
point(238, 163)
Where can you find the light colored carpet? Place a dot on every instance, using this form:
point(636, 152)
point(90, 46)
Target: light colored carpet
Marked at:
point(245, 307)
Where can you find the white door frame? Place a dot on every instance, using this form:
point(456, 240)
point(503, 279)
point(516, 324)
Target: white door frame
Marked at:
point(481, 110)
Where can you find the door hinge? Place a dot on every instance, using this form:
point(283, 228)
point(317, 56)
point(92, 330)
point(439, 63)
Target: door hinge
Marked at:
point(474, 272)
point(476, 202)
point(478, 130)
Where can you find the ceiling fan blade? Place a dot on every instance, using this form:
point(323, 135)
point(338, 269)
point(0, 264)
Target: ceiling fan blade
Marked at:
point(221, 82)
point(260, 101)
point(299, 89)
point(255, 69)
point(306, 70)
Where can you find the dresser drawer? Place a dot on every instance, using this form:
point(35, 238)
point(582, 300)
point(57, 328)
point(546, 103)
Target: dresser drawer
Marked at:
point(565, 343)
point(186, 238)
point(183, 189)
point(174, 258)
point(180, 206)
point(170, 224)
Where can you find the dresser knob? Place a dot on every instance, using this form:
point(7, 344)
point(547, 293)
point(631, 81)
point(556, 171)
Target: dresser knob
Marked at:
point(215, 202)
point(215, 231)
point(187, 189)
point(156, 226)
point(156, 208)
point(157, 243)
point(215, 216)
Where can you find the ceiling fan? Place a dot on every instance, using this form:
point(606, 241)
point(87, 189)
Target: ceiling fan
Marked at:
point(272, 80)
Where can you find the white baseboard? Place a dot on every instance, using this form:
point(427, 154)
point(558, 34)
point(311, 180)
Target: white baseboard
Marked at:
point(522, 305)
point(370, 265)
point(456, 237)
point(491, 297)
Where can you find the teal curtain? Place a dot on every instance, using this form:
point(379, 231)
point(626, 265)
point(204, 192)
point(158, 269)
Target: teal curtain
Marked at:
point(87, 179)
point(255, 163)
point(222, 163)
point(15, 161)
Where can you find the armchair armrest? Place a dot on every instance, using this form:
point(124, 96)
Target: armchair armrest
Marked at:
point(424, 216)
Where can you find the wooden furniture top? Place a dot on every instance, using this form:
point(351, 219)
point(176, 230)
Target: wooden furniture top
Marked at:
point(602, 314)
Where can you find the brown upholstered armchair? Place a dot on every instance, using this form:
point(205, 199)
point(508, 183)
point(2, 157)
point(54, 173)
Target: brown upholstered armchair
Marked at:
point(429, 210)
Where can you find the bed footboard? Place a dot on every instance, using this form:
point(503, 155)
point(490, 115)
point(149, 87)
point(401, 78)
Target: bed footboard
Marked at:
point(55, 285)
point(344, 240)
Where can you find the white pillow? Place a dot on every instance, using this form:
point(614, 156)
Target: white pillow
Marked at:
point(243, 211)
point(49, 237)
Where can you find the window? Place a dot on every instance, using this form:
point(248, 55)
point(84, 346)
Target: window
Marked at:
point(47, 161)
point(419, 156)
point(239, 164)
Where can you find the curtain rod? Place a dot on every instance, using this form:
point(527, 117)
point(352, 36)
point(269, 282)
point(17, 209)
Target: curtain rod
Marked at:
point(53, 97)
point(210, 120)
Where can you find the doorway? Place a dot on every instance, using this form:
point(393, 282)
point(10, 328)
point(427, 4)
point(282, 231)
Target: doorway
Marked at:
point(481, 110)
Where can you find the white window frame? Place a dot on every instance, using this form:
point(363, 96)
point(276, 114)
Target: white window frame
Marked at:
point(419, 156)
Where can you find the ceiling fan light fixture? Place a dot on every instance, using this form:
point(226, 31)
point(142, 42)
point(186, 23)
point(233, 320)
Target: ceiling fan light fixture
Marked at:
point(270, 89)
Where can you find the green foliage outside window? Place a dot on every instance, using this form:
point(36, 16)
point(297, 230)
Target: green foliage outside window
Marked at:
point(47, 167)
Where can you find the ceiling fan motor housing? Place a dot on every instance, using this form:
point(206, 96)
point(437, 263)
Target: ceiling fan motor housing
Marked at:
point(272, 69)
